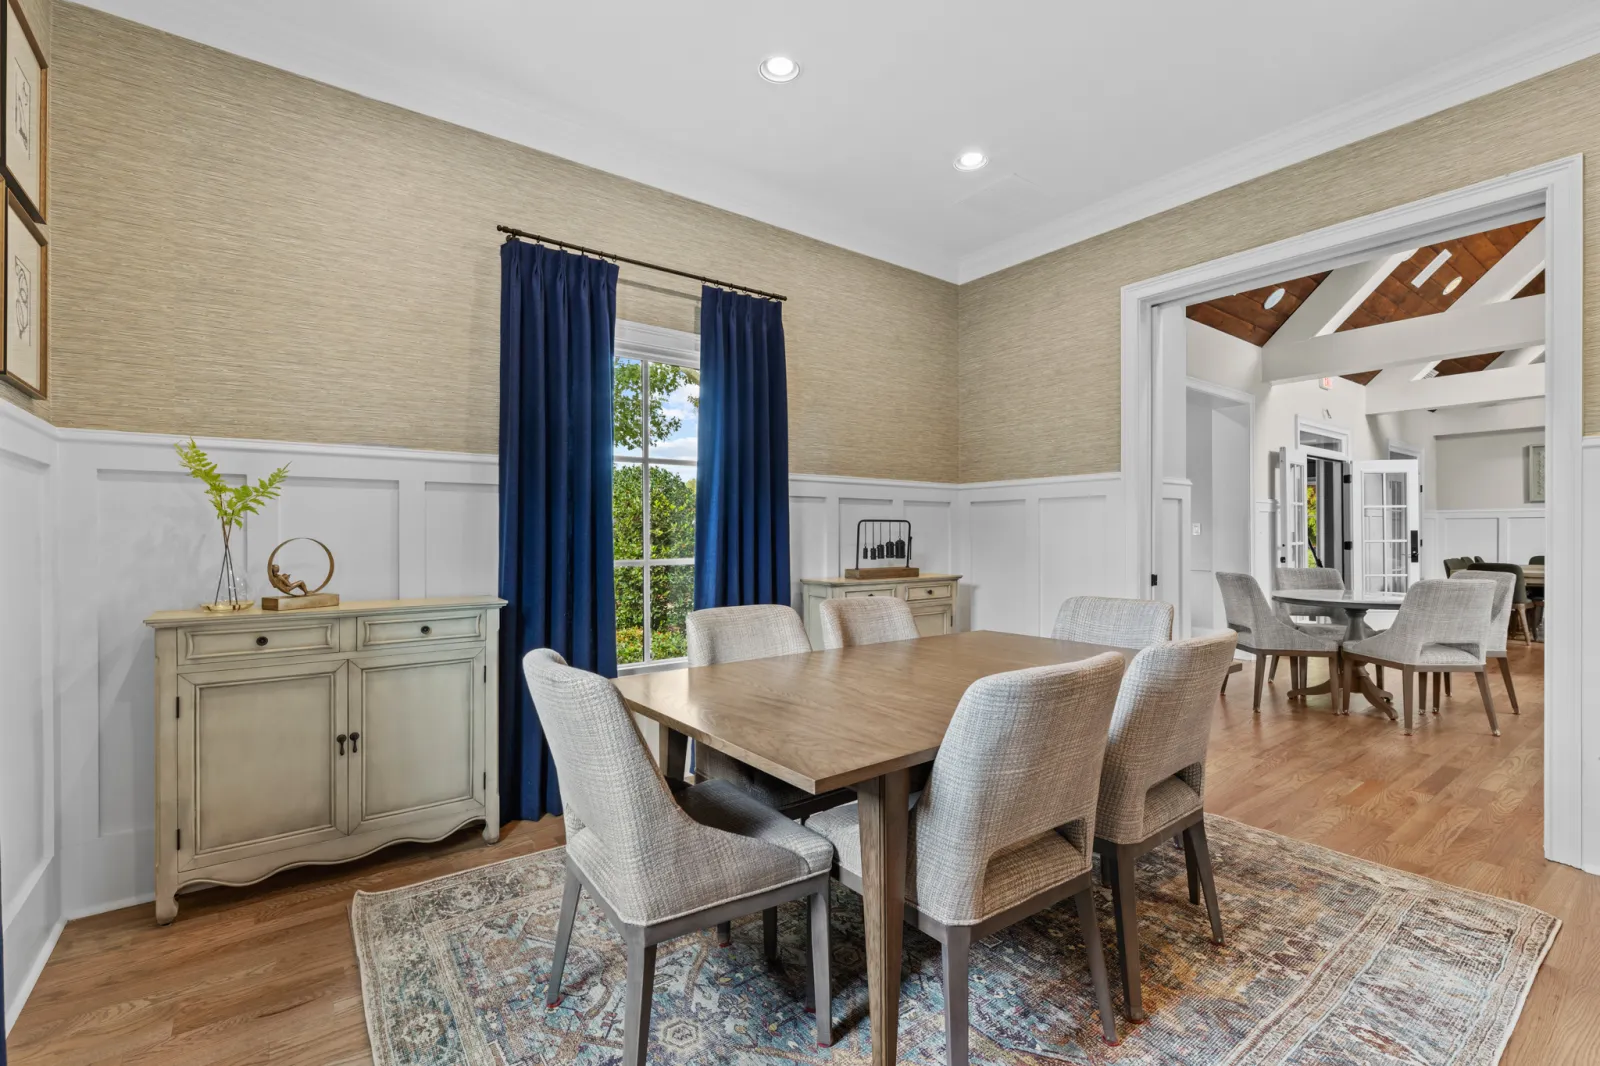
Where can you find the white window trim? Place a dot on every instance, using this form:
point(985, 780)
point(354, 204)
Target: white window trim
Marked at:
point(656, 344)
point(1322, 429)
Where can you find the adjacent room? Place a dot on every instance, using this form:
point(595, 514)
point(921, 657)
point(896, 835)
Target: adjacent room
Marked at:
point(846, 534)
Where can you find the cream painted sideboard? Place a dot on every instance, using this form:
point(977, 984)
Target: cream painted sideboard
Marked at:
point(321, 735)
point(932, 598)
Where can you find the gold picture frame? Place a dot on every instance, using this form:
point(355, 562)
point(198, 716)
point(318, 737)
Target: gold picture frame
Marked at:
point(24, 145)
point(24, 317)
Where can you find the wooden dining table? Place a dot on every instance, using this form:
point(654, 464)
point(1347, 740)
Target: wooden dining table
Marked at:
point(860, 717)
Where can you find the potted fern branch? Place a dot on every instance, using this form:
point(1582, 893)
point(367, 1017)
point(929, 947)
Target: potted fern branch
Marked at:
point(232, 503)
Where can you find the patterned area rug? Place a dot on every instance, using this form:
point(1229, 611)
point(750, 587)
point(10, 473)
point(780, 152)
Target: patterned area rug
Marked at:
point(1329, 959)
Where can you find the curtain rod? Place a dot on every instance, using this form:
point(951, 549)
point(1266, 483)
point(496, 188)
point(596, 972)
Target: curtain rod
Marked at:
point(512, 234)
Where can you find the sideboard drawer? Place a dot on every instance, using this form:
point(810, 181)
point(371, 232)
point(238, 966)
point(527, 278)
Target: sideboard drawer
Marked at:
point(208, 644)
point(943, 590)
point(886, 591)
point(409, 630)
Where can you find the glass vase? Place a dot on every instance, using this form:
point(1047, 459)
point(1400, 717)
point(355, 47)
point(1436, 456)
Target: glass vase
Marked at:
point(233, 591)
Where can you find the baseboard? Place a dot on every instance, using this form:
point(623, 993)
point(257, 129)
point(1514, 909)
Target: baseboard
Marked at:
point(31, 977)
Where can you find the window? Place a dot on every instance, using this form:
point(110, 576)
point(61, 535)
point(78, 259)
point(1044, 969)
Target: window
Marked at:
point(1322, 437)
point(656, 400)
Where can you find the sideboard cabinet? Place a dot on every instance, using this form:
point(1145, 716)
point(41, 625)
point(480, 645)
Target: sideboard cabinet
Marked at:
point(932, 598)
point(319, 736)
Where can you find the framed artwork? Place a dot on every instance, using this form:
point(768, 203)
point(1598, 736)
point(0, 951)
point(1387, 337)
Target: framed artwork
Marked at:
point(1534, 455)
point(24, 357)
point(26, 112)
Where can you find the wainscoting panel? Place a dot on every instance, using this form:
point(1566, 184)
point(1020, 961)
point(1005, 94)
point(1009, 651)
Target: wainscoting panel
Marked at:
point(30, 871)
point(1513, 535)
point(824, 510)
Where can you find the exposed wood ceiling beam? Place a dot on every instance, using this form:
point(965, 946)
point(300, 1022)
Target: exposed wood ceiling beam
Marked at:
point(1333, 301)
point(1457, 390)
point(1470, 331)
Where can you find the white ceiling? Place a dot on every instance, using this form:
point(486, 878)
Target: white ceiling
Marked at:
point(1094, 113)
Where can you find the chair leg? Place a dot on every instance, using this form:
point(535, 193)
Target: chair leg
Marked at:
point(821, 968)
point(769, 933)
point(558, 963)
point(724, 934)
point(1438, 681)
point(1335, 690)
point(1272, 668)
point(1191, 867)
point(956, 956)
point(1261, 676)
point(1511, 690)
point(1522, 617)
point(1195, 835)
point(1089, 926)
point(1125, 908)
point(1488, 701)
point(637, 998)
point(1408, 694)
point(1447, 676)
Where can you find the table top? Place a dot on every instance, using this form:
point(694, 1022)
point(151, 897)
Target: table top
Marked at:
point(826, 719)
point(1345, 598)
point(1533, 574)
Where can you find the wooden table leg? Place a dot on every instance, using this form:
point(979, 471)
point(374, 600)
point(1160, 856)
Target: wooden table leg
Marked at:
point(670, 748)
point(881, 808)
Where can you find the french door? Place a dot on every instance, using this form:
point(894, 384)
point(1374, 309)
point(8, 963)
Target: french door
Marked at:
point(1386, 498)
point(1293, 518)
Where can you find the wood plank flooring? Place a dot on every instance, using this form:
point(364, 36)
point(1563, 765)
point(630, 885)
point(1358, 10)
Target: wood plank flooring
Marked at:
point(268, 974)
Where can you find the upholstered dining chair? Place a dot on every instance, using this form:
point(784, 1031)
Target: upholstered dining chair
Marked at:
point(1336, 623)
point(988, 845)
point(1153, 785)
point(658, 867)
point(1442, 627)
point(1519, 597)
point(734, 634)
point(1499, 628)
point(1112, 621)
point(866, 620)
point(1261, 631)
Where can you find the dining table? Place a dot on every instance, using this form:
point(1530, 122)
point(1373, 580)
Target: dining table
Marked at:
point(1355, 605)
point(860, 717)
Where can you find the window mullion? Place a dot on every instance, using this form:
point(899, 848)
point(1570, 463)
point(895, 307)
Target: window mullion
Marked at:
point(644, 505)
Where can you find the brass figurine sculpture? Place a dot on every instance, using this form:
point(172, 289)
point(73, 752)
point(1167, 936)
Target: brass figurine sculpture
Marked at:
point(295, 594)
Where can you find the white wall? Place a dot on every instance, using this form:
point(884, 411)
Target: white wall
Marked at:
point(1218, 441)
point(1483, 471)
point(30, 867)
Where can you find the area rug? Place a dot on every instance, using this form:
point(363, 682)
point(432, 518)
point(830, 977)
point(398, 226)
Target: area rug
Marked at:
point(1329, 959)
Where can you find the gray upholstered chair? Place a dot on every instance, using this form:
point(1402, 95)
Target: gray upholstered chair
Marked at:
point(1115, 622)
point(1442, 627)
point(989, 846)
point(1519, 598)
point(866, 620)
point(734, 634)
point(1153, 785)
point(659, 869)
point(1335, 622)
point(1460, 562)
point(1262, 632)
point(1499, 627)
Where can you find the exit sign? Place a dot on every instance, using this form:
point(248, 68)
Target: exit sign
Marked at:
point(1326, 383)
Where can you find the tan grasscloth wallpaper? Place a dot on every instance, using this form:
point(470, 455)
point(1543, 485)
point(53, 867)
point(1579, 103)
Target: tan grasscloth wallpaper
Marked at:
point(241, 252)
point(1041, 353)
point(237, 251)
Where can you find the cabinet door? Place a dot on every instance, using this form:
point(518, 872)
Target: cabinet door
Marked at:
point(259, 769)
point(416, 729)
point(932, 620)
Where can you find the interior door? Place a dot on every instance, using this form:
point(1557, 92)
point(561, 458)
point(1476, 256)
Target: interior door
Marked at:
point(1293, 530)
point(416, 736)
point(259, 768)
point(1386, 499)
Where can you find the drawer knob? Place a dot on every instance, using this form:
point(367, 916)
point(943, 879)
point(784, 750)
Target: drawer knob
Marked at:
point(261, 642)
point(354, 737)
point(341, 738)
point(426, 630)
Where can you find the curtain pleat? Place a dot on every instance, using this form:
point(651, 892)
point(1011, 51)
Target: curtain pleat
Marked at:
point(742, 495)
point(558, 315)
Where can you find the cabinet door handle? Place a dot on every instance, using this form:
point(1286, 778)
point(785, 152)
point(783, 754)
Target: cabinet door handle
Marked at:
point(354, 737)
point(341, 738)
point(261, 642)
point(426, 630)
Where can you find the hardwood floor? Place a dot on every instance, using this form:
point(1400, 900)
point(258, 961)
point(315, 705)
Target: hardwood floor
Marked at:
point(268, 974)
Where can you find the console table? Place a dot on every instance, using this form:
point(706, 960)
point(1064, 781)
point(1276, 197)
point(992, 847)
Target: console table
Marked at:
point(932, 598)
point(320, 736)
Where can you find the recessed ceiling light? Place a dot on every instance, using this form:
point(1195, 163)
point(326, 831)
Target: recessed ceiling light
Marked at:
point(971, 159)
point(779, 69)
point(1427, 271)
point(1273, 300)
point(1455, 283)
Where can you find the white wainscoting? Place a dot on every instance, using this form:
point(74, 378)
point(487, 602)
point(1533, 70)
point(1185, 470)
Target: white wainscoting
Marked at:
point(137, 536)
point(30, 868)
point(824, 510)
point(1511, 535)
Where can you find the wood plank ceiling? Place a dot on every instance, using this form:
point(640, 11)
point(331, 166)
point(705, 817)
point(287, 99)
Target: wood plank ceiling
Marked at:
point(1245, 315)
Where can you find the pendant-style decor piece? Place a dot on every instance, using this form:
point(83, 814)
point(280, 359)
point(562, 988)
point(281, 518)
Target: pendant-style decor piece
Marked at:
point(296, 597)
point(883, 549)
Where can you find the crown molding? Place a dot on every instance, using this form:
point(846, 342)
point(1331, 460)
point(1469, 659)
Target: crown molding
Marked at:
point(1444, 87)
